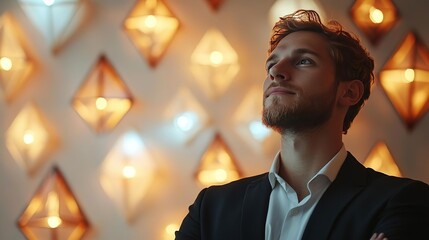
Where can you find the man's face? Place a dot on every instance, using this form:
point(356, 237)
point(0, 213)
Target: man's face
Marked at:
point(300, 88)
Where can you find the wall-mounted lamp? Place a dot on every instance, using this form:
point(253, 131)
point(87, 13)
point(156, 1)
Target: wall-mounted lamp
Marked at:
point(151, 26)
point(374, 17)
point(127, 173)
point(58, 20)
point(214, 63)
point(103, 99)
point(405, 80)
point(283, 7)
point(53, 212)
point(381, 160)
point(29, 138)
point(217, 166)
point(170, 231)
point(15, 62)
point(186, 117)
point(248, 121)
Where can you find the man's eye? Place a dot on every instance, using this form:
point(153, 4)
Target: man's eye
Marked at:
point(304, 61)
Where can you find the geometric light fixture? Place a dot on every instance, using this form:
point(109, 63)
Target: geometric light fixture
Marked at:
point(248, 122)
point(214, 63)
point(170, 231)
point(215, 4)
point(374, 17)
point(58, 20)
point(53, 212)
point(29, 138)
point(405, 80)
point(127, 173)
point(381, 160)
point(186, 116)
point(151, 26)
point(283, 7)
point(218, 165)
point(15, 62)
point(103, 99)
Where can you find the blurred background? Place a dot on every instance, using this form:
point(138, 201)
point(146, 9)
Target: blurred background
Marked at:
point(115, 114)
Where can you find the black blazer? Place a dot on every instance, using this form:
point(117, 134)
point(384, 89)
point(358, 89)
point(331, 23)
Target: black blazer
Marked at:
point(358, 203)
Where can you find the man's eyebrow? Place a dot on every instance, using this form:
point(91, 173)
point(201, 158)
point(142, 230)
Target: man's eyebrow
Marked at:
point(306, 50)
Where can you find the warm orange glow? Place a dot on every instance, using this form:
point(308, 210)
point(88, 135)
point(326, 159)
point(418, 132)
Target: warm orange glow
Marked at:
point(103, 99)
point(53, 211)
point(214, 63)
point(374, 17)
point(15, 62)
point(170, 230)
point(381, 160)
point(217, 165)
point(151, 26)
point(128, 172)
point(405, 79)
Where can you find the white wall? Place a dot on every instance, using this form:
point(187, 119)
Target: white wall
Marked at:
point(80, 152)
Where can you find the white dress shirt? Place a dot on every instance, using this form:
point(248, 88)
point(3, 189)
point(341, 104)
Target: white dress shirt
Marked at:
point(287, 218)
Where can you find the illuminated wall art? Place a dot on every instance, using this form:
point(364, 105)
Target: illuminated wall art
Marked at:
point(186, 117)
point(374, 17)
point(215, 4)
point(15, 63)
point(248, 122)
point(284, 7)
point(58, 20)
point(53, 212)
point(151, 26)
point(405, 80)
point(214, 63)
point(103, 99)
point(218, 164)
point(381, 160)
point(30, 138)
point(127, 173)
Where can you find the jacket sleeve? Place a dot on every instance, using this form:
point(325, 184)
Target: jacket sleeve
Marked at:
point(191, 225)
point(406, 215)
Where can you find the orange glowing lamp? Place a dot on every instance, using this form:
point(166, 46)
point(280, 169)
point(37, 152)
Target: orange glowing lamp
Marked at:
point(381, 160)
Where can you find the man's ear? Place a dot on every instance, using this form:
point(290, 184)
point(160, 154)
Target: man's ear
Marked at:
point(350, 92)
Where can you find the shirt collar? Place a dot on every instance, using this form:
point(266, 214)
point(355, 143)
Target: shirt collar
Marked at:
point(330, 170)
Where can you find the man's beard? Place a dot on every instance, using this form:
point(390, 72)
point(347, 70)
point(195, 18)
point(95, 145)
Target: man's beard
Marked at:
point(303, 115)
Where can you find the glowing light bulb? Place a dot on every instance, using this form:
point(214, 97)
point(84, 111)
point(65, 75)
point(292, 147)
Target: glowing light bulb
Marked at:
point(409, 75)
point(220, 175)
point(6, 63)
point(186, 121)
point(128, 171)
point(376, 15)
point(53, 206)
point(170, 230)
point(216, 57)
point(101, 103)
point(28, 137)
point(150, 21)
point(258, 130)
point(132, 145)
point(49, 2)
point(54, 221)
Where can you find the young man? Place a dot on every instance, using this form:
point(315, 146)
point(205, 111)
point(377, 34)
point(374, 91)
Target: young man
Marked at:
point(318, 78)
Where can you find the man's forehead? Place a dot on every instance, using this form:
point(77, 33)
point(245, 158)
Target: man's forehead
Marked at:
point(303, 41)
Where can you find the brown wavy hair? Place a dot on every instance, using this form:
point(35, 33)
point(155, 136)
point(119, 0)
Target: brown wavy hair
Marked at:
point(352, 60)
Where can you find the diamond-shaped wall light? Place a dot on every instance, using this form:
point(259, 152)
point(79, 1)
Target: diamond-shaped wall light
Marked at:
point(283, 7)
point(127, 173)
point(103, 99)
point(218, 165)
point(151, 26)
point(215, 4)
point(405, 79)
point(15, 62)
point(249, 124)
point(186, 116)
point(30, 138)
point(374, 17)
point(381, 160)
point(53, 212)
point(58, 20)
point(214, 63)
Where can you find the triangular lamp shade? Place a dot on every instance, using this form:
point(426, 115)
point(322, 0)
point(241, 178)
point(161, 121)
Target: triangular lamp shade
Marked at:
point(381, 160)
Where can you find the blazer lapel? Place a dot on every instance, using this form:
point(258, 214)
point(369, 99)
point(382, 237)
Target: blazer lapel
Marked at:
point(255, 208)
point(350, 181)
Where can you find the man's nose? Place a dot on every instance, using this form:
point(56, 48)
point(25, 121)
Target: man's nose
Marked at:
point(278, 72)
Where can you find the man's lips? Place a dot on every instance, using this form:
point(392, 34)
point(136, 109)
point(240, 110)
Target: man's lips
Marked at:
point(278, 91)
